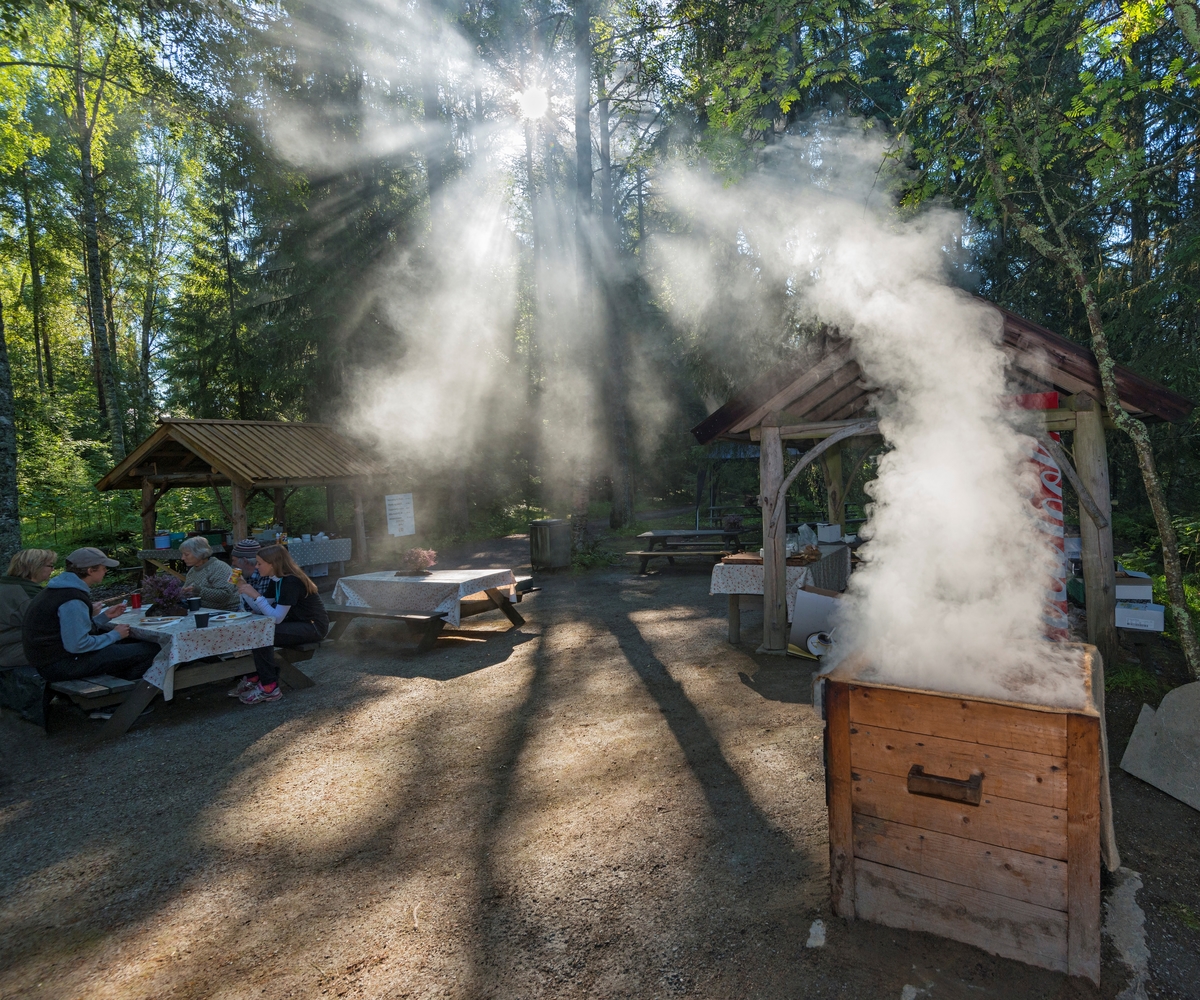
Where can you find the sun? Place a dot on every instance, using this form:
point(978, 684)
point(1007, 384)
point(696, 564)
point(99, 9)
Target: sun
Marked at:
point(533, 102)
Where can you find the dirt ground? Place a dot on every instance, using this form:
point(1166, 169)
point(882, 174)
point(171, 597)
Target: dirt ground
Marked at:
point(609, 802)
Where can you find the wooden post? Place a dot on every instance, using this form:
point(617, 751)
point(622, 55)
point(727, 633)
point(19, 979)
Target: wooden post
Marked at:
point(330, 515)
point(735, 619)
point(148, 523)
point(237, 507)
point(280, 506)
point(1099, 579)
point(770, 474)
point(837, 792)
point(835, 488)
point(360, 530)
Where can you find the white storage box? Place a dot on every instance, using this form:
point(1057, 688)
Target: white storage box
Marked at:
point(1134, 587)
point(1140, 615)
point(829, 532)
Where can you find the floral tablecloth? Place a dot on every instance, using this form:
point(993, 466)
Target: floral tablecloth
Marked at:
point(317, 551)
point(440, 591)
point(182, 642)
point(747, 578)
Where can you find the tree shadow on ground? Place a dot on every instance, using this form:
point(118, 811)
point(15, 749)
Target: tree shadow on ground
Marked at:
point(785, 679)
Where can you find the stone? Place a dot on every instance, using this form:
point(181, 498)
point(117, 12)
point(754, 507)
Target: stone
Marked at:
point(1164, 750)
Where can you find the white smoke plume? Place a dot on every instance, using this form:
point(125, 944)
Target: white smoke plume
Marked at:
point(951, 594)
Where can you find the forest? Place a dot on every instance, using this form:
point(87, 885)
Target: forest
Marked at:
point(448, 229)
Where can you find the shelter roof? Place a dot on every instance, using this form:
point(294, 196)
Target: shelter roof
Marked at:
point(247, 452)
point(828, 384)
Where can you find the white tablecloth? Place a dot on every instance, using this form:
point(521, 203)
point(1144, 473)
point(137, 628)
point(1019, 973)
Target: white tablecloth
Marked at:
point(181, 641)
point(747, 578)
point(440, 591)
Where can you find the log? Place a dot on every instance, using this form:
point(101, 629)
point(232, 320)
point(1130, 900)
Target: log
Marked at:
point(774, 496)
point(360, 529)
point(1099, 573)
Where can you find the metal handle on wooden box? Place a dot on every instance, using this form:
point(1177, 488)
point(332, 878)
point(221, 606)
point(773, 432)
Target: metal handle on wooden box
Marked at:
point(968, 791)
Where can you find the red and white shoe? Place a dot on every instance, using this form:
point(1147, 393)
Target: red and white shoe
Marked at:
point(257, 695)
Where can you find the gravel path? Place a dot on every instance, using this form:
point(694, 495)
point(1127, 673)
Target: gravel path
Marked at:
point(608, 802)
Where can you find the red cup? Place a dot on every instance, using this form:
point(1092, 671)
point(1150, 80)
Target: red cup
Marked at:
point(135, 600)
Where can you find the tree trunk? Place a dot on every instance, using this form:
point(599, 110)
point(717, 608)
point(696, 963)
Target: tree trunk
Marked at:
point(10, 515)
point(582, 24)
point(1065, 254)
point(435, 166)
point(235, 347)
point(91, 239)
point(45, 371)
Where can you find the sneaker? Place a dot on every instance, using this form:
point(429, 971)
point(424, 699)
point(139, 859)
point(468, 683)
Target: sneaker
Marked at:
point(256, 695)
point(242, 686)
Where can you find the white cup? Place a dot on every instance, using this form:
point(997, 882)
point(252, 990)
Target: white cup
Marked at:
point(307, 538)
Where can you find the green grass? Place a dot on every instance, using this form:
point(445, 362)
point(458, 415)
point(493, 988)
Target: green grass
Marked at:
point(1185, 916)
point(1134, 679)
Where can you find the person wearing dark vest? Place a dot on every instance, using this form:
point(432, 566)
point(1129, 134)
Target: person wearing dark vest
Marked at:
point(67, 637)
point(292, 602)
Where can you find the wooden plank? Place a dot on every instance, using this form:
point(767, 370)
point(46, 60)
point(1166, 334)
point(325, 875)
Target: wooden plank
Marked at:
point(1014, 874)
point(1083, 845)
point(195, 674)
point(1007, 927)
point(1010, 774)
point(838, 799)
point(1019, 826)
point(735, 619)
point(501, 601)
point(237, 504)
point(960, 719)
point(80, 688)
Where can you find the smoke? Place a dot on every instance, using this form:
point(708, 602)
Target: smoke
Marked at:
point(951, 592)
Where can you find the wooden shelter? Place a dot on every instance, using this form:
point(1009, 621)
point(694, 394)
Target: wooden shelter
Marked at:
point(822, 395)
point(250, 456)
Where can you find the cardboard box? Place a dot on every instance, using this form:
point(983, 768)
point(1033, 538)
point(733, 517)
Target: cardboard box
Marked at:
point(1134, 587)
point(1142, 616)
point(829, 532)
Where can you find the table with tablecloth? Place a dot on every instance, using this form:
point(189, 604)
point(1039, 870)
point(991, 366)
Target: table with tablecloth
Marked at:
point(440, 592)
point(182, 642)
point(747, 578)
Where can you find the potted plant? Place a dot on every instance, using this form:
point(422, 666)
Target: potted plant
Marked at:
point(416, 562)
point(165, 594)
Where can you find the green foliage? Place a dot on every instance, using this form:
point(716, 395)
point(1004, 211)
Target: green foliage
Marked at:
point(1133, 679)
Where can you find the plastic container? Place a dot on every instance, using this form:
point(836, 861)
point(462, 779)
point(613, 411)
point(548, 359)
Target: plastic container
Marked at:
point(162, 541)
point(177, 537)
point(550, 543)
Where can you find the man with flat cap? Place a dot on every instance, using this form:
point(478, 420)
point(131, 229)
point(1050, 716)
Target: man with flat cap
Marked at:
point(66, 637)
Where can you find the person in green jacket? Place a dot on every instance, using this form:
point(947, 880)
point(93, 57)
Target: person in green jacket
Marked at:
point(28, 571)
point(207, 577)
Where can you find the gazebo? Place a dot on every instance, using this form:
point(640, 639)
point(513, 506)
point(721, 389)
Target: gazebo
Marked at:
point(272, 457)
point(821, 396)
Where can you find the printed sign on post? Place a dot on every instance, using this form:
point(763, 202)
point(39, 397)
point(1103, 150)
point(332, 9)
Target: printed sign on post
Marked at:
point(400, 518)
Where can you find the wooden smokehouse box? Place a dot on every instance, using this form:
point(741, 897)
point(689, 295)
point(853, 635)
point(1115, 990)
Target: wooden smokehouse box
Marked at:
point(967, 817)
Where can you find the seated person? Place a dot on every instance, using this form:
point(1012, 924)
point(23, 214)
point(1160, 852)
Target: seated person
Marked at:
point(28, 570)
point(207, 578)
point(66, 637)
point(243, 557)
point(299, 614)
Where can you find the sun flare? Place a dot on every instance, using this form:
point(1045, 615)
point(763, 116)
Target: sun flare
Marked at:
point(533, 102)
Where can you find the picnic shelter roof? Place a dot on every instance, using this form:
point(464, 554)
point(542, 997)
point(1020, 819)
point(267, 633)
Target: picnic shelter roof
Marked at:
point(831, 386)
point(251, 453)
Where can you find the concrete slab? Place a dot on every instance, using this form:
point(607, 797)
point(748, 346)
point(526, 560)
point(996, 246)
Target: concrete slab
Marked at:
point(1164, 749)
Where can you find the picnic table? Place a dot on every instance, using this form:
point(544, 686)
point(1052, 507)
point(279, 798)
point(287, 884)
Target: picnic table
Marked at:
point(704, 543)
point(688, 539)
point(454, 594)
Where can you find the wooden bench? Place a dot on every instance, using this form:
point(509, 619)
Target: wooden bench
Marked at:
point(672, 554)
point(427, 626)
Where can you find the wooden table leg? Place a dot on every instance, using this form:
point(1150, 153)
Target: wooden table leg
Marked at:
point(505, 605)
point(127, 712)
point(430, 633)
point(292, 675)
point(735, 619)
